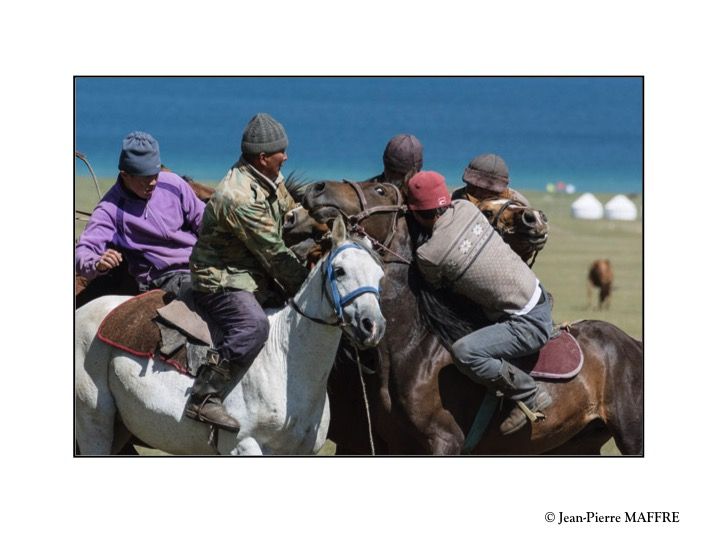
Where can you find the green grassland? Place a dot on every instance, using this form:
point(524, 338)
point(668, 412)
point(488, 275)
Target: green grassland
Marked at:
point(562, 266)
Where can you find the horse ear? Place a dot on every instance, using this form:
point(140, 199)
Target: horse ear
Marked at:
point(339, 232)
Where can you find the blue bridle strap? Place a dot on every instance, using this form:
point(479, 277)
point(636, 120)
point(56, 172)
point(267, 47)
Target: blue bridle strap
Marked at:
point(341, 301)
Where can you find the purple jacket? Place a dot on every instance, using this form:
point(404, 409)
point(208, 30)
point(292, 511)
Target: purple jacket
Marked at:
point(154, 235)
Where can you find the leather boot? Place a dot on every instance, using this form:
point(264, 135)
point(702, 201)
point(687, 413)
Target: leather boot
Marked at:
point(205, 404)
point(521, 387)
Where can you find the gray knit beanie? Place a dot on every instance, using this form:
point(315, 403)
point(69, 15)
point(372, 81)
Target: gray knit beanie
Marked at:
point(263, 134)
point(140, 154)
point(487, 171)
point(403, 153)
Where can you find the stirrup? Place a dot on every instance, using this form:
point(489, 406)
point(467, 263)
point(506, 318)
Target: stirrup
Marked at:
point(532, 416)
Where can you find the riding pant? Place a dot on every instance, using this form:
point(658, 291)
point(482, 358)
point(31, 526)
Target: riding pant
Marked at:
point(480, 354)
point(242, 321)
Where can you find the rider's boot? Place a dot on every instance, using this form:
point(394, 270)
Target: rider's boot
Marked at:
point(210, 385)
point(522, 388)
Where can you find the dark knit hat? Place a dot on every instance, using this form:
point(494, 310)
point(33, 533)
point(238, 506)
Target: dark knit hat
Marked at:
point(487, 171)
point(403, 153)
point(140, 154)
point(427, 190)
point(263, 134)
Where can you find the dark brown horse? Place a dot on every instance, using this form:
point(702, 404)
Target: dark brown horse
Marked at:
point(421, 404)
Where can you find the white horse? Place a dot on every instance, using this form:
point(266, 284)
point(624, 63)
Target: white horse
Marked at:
point(281, 402)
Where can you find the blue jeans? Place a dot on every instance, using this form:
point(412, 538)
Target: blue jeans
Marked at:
point(242, 321)
point(480, 355)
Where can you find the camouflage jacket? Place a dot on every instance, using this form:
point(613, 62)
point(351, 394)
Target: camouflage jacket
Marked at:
point(240, 244)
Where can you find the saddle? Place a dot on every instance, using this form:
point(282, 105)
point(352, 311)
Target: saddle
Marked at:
point(157, 324)
point(560, 358)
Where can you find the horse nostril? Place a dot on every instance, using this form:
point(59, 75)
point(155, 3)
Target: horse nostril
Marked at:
point(368, 326)
point(528, 218)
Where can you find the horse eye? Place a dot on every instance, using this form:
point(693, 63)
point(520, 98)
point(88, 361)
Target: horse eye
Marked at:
point(339, 271)
point(487, 213)
point(380, 190)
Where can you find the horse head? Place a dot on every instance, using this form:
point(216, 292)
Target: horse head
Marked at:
point(356, 202)
point(522, 227)
point(350, 288)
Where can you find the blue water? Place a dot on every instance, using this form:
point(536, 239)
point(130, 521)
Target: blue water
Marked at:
point(582, 130)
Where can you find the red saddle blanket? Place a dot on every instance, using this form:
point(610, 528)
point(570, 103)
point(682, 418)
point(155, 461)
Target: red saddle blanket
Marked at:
point(131, 327)
point(560, 358)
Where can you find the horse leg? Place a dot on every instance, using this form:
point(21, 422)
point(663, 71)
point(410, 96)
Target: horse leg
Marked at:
point(245, 447)
point(123, 440)
point(586, 443)
point(95, 407)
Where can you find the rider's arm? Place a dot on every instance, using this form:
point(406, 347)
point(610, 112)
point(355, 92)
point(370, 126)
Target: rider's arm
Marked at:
point(93, 242)
point(260, 232)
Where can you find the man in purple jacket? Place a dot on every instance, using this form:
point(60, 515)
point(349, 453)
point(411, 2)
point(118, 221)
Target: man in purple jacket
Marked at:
point(150, 217)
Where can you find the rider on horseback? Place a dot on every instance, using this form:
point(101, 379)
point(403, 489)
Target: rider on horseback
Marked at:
point(150, 216)
point(403, 157)
point(487, 177)
point(239, 256)
point(464, 253)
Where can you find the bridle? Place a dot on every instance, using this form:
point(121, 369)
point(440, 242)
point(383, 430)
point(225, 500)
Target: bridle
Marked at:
point(366, 211)
point(330, 282)
point(494, 225)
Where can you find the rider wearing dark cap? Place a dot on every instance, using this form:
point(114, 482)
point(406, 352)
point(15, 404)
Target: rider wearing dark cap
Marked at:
point(487, 177)
point(240, 260)
point(464, 254)
point(403, 157)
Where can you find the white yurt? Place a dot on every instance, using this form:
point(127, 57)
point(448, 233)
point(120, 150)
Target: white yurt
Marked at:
point(620, 207)
point(587, 207)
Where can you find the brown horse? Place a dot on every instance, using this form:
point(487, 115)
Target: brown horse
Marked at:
point(601, 276)
point(523, 228)
point(421, 404)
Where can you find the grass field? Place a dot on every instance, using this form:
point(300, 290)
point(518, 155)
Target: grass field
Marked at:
point(562, 266)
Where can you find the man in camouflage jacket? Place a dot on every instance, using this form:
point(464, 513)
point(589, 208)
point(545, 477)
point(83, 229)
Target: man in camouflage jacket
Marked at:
point(239, 261)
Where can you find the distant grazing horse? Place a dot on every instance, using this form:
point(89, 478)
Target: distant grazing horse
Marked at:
point(421, 404)
point(600, 275)
point(280, 403)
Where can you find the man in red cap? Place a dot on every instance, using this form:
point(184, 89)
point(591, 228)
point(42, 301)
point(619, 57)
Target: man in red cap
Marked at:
point(466, 255)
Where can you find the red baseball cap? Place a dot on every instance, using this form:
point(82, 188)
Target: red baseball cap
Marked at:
point(427, 191)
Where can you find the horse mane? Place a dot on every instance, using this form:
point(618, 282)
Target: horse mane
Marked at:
point(296, 185)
